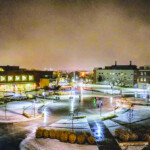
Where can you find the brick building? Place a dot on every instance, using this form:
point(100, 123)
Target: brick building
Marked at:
point(12, 78)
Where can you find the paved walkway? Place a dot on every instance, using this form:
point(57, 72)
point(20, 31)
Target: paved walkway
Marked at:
point(104, 138)
point(140, 117)
point(53, 144)
point(14, 111)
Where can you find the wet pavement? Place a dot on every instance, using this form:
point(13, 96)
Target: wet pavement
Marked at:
point(10, 136)
point(55, 111)
point(103, 137)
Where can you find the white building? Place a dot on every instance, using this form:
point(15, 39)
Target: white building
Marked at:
point(119, 75)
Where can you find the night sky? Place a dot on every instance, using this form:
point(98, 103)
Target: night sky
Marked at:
point(74, 34)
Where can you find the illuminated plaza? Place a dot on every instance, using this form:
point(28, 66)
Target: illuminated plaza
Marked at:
point(74, 75)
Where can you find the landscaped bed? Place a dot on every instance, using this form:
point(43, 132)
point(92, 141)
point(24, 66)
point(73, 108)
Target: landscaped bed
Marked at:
point(66, 135)
point(79, 117)
point(109, 117)
point(123, 103)
point(134, 137)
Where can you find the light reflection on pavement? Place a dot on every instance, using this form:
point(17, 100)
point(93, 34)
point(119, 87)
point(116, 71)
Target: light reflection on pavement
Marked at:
point(54, 112)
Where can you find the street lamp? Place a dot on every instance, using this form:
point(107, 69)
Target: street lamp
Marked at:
point(6, 102)
point(34, 107)
point(5, 109)
point(99, 103)
point(100, 111)
point(130, 116)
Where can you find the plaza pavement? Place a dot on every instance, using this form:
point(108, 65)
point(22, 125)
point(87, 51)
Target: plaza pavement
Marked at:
point(141, 116)
point(14, 111)
point(33, 143)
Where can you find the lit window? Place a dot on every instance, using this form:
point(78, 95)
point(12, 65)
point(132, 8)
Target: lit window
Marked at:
point(141, 73)
point(10, 78)
point(141, 79)
point(17, 78)
point(1, 69)
point(3, 78)
point(144, 79)
point(24, 78)
point(31, 77)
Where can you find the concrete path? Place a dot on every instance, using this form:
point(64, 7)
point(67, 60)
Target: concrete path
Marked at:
point(104, 138)
point(14, 111)
point(76, 125)
point(33, 143)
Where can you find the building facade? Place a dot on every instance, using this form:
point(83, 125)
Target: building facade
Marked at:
point(144, 77)
point(118, 75)
point(12, 78)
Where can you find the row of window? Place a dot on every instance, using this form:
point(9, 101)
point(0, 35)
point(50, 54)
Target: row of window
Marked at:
point(122, 73)
point(120, 78)
point(143, 79)
point(143, 73)
point(11, 78)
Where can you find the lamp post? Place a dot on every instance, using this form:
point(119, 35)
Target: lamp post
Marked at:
point(6, 102)
point(147, 97)
point(5, 109)
point(100, 110)
point(34, 107)
point(114, 107)
point(130, 116)
point(100, 106)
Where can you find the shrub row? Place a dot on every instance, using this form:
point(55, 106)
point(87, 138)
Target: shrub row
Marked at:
point(26, 115)
point(109, 117)
point(66, 135)
point(79, 117)
point(125, 136)
point(62, 93)
point(124, 103)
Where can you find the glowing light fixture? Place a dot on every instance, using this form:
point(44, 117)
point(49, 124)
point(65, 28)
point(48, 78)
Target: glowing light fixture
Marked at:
point(82, 74)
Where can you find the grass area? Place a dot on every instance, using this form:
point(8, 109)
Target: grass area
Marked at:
point(109, 117)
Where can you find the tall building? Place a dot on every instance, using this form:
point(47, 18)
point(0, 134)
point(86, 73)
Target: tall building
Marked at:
point(12, 78)
point(119, 75)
